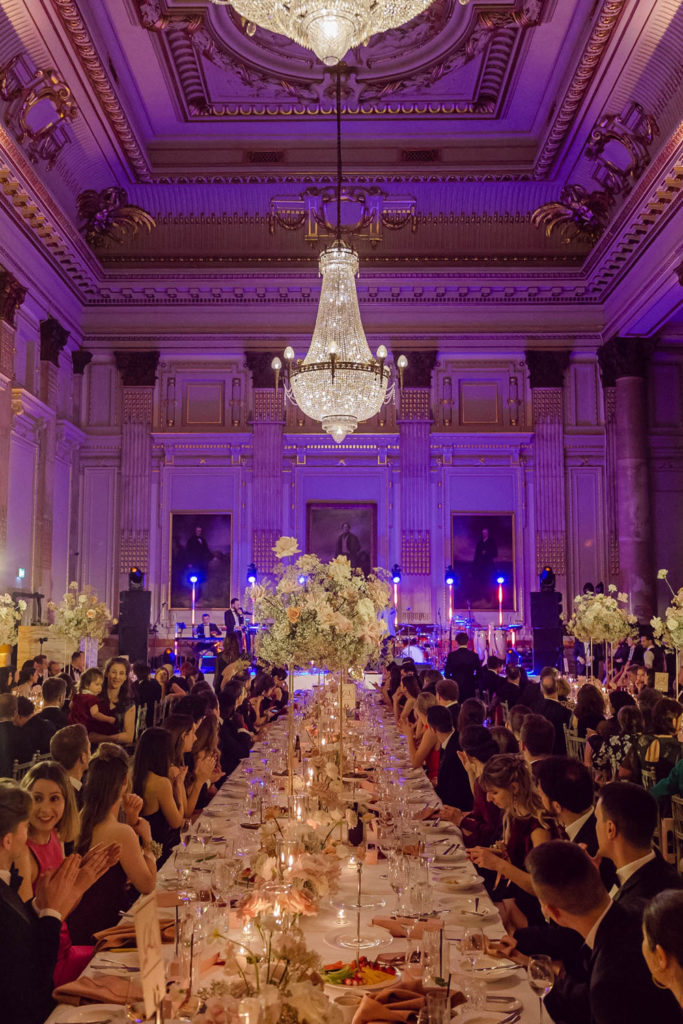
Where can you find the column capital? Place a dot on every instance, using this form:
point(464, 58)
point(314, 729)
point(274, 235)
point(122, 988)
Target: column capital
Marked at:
point(137, 369)
point(547, 367)
point(12, 294)
point(80, 359)
point(53, 338)
point(624, 357)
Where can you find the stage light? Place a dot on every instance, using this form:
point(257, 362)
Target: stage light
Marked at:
point(500, 579)
point(193, 580)
point(450, 576)
point(546, 580)
point(396, 574)
point(21, 574)
point(136, 578)
point(301, 580)
point(251, 574)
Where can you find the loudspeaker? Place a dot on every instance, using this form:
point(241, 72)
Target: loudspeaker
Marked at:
point(546, 607)
point(134, 612)
point(547, 648)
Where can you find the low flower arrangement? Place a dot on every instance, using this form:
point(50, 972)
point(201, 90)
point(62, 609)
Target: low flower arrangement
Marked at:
point(80, 614)
point(602, 618)
point(320, 612)
point(668, 631)
point(11, 612)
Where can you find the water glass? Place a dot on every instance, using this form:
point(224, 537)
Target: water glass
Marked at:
point(437, 1006)
point(541, 978)
point(473, 946)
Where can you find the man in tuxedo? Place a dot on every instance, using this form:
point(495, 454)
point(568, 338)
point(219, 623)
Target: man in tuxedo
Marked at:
point(549, 706)
point(618, 988)
point(207, 629)
point(9, 734)
point(463, 666)
point(489, 678)
point(34, 733)
point(30, 932)
point(537, 739)
point(452, 785)
point(626, 817)
point(508, 688)
point(76, 667)
point(40, 662)
point(70, 747)
point(447, 693)
point(54, 695)
point(234, 623)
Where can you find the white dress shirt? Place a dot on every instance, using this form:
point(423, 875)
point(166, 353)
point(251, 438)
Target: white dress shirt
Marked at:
point(623, 874)
point(42, 912)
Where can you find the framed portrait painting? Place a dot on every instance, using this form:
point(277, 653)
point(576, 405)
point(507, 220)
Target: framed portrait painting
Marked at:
point(343, 528)
point(201, 546)
point(482, 552)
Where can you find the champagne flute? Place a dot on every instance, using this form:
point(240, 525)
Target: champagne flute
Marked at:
point(204, 833)
point(541, 978)
point(398, 879)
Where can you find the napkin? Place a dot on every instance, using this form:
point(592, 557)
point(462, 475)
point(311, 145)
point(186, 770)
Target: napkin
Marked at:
point(399, 1002)
point(124, 935)
point(98, 988)
point(397, 925)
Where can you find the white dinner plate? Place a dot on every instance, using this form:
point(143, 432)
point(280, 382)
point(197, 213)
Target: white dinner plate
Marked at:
point(491, 968)
point(94, 1013)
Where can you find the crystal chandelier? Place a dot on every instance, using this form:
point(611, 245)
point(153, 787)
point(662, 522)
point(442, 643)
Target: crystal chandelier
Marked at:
point(339, 382)
point(328, 27)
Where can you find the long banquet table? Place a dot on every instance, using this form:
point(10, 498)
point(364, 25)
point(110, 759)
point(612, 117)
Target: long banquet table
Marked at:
point(224, 815)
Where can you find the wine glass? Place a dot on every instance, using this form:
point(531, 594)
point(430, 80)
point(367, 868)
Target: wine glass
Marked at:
point(222, 880)
point(135, 1007)
point(472, 946)
point(398, 879)
point(204, 833)
point(541, 978)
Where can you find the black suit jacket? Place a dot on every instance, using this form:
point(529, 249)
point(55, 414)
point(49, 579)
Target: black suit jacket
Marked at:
point(8, 748)
point(213, 631)
point(29, 954)
point(618, 988)
point(234, 743)
point(463, 666)
point(530, 695)
point(452, 785)
point(55, 716)
point(587, 836)
point(560, 716)
point(230, 624)
point(34, 737)
point(641, 887)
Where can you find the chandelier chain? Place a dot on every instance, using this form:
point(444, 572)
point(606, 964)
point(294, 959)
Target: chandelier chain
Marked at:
point(339, 157)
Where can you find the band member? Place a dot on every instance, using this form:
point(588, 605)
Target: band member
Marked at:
point(206, 629)
point(234, 623)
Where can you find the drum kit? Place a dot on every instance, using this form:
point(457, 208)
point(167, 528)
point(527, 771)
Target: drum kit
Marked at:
point(435, 641)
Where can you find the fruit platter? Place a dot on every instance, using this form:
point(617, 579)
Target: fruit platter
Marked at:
point(361, 973)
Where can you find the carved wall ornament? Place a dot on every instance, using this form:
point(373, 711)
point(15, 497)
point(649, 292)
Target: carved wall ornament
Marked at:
point(365, 212)
point(579, 216)
point(53, 338)
point(39, 107)
point(547, 367)
point(137, 369)
point(12, 294)
point(80, 359)
point(107, 216)
point(624, 357)
point(619, 144)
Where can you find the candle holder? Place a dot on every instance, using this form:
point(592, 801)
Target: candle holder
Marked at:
point(286, 851)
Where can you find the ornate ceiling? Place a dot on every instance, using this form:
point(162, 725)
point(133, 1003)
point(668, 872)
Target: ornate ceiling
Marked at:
point(163, 135)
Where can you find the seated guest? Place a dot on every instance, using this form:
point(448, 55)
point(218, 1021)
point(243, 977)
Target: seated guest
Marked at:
point(70, 747)
point(429, 680)
point(647, 699)
point(531, 693)
point(504, 739)
point(182, 682)
point(537, 740)
point(163, 800)
point(204, 761)
point(116, 701)
point(105, 796)
point(233, 736)
point(452, 785)
point(423, 745)
point(447, 695)
point(54, 695)
point(227, 656)
point(518, 713)
point(34, 733)
point(660, 749)
point(612, 749)
point(508, 687)
point(490, 678)
point(472, 712)
point(30, 933)
point(52, 823)
point(162, 676)
point(550, 707)
point(76, 666)
point(483, 825)
point(280, 698)
point(663, 941)
point(262, 694)
point(146, 690)
point(194, 705)
point(9, 734)
point(618, 989)
point(86, 706)
point(508, 783)
point(589, 710)
point(626, 817)
point(28, 678)
point(463, 666)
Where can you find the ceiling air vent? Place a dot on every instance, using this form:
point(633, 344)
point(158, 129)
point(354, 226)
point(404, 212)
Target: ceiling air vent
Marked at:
point(265, 156)
point(420, 156)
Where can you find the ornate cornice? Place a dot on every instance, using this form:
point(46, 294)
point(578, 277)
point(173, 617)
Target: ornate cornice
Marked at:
point(12, 294)
point(598, 41)
point(99, 79)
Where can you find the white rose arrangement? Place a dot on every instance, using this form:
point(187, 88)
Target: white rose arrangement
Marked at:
point(80, 615)
point(602, 618)
point(669, 631)
point(11, 612)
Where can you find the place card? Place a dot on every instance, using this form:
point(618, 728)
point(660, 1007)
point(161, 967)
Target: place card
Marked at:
point(662, 681)
point(148, 936)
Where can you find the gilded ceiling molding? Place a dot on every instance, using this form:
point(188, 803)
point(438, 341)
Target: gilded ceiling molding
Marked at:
point(578, 215)
point(634, 131)
point(39, 106)
point(94, 69)
point(588, 65)
point(108, 216)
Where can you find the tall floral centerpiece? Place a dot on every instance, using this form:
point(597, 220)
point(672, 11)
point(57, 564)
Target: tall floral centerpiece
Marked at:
point(11, 612)
point(601, 619)
point(81, 619)
point(320, 612)
point(668, 631)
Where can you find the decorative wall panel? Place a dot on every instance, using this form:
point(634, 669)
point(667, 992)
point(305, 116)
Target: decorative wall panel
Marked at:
point(479, 404)
point(204, 405)
point(98, 531)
